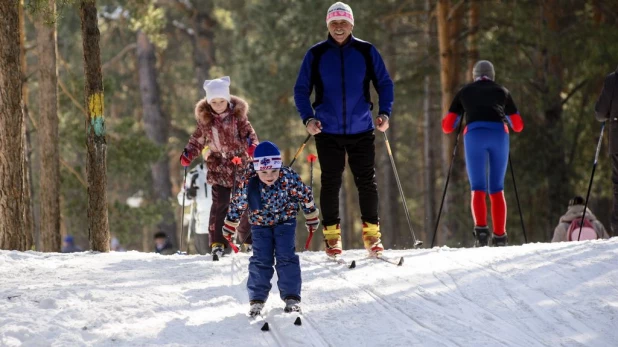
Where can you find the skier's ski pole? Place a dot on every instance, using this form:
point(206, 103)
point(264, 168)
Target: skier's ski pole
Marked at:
point(191, 225)
point(448, 177)
point(594, 167)
point(182, 216)
point(521, 216)
point(300, 149)
point(311, 159)
point(236, 161)
point(403, 198)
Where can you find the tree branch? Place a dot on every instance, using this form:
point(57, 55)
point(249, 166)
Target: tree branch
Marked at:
point(573, 91)
point(183, 28)
point(75, 173)
point(35, 127)
point(117, 57)
point(73, 99)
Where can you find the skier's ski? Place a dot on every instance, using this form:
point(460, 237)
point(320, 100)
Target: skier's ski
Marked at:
point(216, 255)
point(259, 318)
point(337, 259)
point(394, 261)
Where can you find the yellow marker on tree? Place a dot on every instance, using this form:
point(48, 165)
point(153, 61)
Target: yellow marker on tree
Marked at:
point(97, 120)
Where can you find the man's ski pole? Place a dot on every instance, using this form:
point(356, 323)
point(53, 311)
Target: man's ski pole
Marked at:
point(311, 159)
point(300, 149)
point(403, 198)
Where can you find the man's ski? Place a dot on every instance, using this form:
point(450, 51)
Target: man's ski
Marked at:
point(394, 261)
point(337, 259)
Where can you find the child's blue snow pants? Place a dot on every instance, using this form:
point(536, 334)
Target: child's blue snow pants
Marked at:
point(270, 243)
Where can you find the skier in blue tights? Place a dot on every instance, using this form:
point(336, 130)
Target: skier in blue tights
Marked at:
point(487, 106)
point(272, 193)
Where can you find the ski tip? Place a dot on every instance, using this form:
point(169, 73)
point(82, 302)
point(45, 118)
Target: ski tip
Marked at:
point(265, 327)
point(352, 264)
point(400, 261)
point(298, 321)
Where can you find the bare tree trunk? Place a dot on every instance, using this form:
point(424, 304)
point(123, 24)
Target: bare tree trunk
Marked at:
point(48, 134)
point(429, 147)
point(98, 224)
point(156, 126)
point(473, 25)
point(556, 168)
point(473, 57)
point(29, 221)
point(12, 194)
point(448, 27)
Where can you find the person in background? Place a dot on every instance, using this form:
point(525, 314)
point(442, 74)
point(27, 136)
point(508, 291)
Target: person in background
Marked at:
point(487, 108)
point(115, 245)
point(68, 245)
point(568, 228)
point(162, 244)
point(199, 198)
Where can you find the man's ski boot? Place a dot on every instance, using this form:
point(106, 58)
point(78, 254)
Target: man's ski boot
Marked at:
point(292, 304)
point(500, 241)
point(332, 239)
point(217, 251)
point(481, 235)
point(256, 308)
point(371, 238)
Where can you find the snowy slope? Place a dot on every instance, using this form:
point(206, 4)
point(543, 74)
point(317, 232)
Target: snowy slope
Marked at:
point(533, 295)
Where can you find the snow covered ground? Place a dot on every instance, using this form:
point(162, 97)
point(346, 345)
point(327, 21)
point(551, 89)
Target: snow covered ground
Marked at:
point(534, 295)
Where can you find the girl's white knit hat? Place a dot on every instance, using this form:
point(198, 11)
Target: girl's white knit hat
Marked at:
point(218, 88)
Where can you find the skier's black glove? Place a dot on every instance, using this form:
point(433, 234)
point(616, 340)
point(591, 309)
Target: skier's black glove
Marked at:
point(192, 192)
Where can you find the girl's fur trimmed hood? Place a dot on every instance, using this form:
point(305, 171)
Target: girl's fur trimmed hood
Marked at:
point(203, 111)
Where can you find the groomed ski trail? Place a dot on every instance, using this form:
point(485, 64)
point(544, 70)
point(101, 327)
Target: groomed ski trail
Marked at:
point(533, 295)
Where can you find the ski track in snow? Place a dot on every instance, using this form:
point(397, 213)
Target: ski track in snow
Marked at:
point(533, 295)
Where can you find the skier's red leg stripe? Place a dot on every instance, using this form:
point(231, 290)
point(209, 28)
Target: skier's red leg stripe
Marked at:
point(498, 212)
point(479, 208)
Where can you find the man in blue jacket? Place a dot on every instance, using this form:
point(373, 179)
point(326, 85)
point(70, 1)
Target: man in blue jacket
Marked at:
point(340, 69)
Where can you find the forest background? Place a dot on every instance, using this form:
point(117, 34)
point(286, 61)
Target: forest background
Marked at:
point(154, 56)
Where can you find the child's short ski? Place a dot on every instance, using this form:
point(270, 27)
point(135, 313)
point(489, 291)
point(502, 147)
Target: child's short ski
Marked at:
point(339, 260)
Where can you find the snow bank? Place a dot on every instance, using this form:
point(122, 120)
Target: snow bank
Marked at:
point(534, 295)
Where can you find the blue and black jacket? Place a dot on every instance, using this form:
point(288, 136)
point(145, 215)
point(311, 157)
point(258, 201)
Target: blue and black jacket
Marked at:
point(340, 76)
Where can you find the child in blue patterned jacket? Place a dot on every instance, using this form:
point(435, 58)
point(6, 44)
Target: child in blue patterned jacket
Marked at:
point(272, 193)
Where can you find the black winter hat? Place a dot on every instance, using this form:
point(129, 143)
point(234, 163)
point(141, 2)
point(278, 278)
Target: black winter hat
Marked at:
point(160, 235)
point(577, 200)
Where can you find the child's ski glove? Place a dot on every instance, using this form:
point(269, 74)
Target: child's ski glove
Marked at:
point(312, 221)
point(229, 229)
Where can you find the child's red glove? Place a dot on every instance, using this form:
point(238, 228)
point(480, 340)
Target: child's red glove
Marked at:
point(251, 150)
